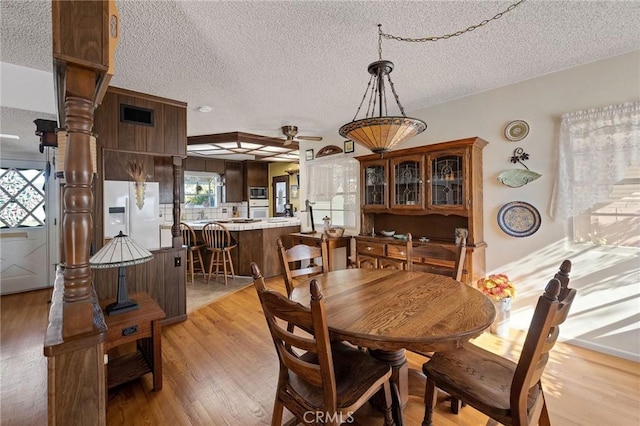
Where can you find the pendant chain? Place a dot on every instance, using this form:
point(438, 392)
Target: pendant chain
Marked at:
point(445, 36)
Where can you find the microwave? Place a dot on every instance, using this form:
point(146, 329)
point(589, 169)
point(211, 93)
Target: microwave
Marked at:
point(258, 193)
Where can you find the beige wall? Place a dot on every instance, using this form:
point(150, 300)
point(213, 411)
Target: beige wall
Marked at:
point(605, 315)
point(279, 169)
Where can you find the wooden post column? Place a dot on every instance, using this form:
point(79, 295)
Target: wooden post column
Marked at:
point(84, 38)
point(177, 190)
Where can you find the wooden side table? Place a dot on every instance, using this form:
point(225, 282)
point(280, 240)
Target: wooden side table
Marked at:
point(332, 244)
point(143, 327)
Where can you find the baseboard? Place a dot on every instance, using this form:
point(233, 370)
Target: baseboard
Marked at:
point(604, 349)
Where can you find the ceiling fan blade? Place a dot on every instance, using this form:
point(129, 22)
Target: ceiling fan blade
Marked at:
point(310, 138)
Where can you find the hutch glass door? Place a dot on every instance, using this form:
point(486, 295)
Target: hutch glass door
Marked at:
point(374, 178)
point(406, 181)
point(447, 179)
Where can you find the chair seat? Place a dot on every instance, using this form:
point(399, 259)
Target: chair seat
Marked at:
point(351, 384)
point(479, 377)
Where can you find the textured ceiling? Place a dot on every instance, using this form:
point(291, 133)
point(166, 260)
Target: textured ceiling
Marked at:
point(264, 64)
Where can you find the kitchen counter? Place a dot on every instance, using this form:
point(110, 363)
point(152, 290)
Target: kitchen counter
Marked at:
point(246, 224)
point(256, 241)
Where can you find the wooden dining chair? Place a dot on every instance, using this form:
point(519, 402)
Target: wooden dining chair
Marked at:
point(191, 242)
point(508, 393)
point(439, 259)
point(316, 256)
point(320, 381)
point(219, 242)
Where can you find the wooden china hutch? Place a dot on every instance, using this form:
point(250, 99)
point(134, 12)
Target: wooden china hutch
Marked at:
point(429, 192)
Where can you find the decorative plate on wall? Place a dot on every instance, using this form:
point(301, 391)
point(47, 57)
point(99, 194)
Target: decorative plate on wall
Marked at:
point(519, 219)
point(516, 178)
point(516, 130)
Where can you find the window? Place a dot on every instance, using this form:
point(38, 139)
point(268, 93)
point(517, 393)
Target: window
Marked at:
point(201, 189)
point(333, 186)
point(616, 221)
point(598, 182)
point(21, 197)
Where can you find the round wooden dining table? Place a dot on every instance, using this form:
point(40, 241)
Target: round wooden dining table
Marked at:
point(388, 311)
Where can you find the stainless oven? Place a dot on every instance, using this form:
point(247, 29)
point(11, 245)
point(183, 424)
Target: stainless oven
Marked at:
point(258, 193)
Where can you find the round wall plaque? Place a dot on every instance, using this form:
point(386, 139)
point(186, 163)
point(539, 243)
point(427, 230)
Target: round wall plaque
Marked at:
point(516, 130)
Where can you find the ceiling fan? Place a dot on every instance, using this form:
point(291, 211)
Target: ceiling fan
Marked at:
point(291, 131)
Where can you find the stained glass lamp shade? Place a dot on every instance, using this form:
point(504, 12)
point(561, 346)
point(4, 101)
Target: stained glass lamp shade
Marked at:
point(119, 252)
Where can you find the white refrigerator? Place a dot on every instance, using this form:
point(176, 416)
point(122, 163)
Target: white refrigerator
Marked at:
point(122, 214)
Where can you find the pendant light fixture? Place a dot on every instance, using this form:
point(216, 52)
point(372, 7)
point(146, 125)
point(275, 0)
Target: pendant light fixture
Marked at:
point(382, 132)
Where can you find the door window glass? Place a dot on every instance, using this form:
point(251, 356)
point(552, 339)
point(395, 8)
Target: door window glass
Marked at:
point(21, 198)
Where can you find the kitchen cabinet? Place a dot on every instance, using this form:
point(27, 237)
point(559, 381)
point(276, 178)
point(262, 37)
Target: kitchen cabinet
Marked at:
point(259, 245)
point(200, 164)
point(234, 181)
point(428, 191)
point(256, 173)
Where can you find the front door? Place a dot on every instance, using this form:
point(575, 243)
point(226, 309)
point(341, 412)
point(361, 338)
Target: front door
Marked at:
point(23, 229)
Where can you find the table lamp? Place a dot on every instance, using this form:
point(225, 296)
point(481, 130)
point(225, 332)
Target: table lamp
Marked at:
point(119, 252)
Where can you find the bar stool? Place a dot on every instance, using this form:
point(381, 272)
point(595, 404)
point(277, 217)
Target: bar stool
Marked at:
point(219, 242)
point(189, 239)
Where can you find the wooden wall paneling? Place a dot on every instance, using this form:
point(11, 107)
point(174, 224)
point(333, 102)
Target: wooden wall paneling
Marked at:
point(235, 254)
point(175, 130)
point(163, 174)
point(106, 122)
point(139, 137)
point(271, 261)
point(160, 278)
point(87, 43)
point(214, 165)
point(91, 408)
point(116, 164)
point(178, 197)
point(250, 249)
point(195, 164)
point(175, 279)
point(127, 132)
point(155, 142)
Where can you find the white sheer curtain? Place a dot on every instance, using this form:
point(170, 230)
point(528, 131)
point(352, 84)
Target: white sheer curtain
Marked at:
point(332, 185)
point(331, 175)
point(597, 146)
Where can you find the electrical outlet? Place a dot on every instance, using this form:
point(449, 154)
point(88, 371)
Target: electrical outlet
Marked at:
point(224, 210)
point(177, 262)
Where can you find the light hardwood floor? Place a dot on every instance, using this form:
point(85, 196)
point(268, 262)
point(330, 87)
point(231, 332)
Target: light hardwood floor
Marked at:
point(220, 368)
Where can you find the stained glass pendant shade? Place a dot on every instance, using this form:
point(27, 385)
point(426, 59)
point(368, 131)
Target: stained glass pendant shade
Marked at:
point(381, 133)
